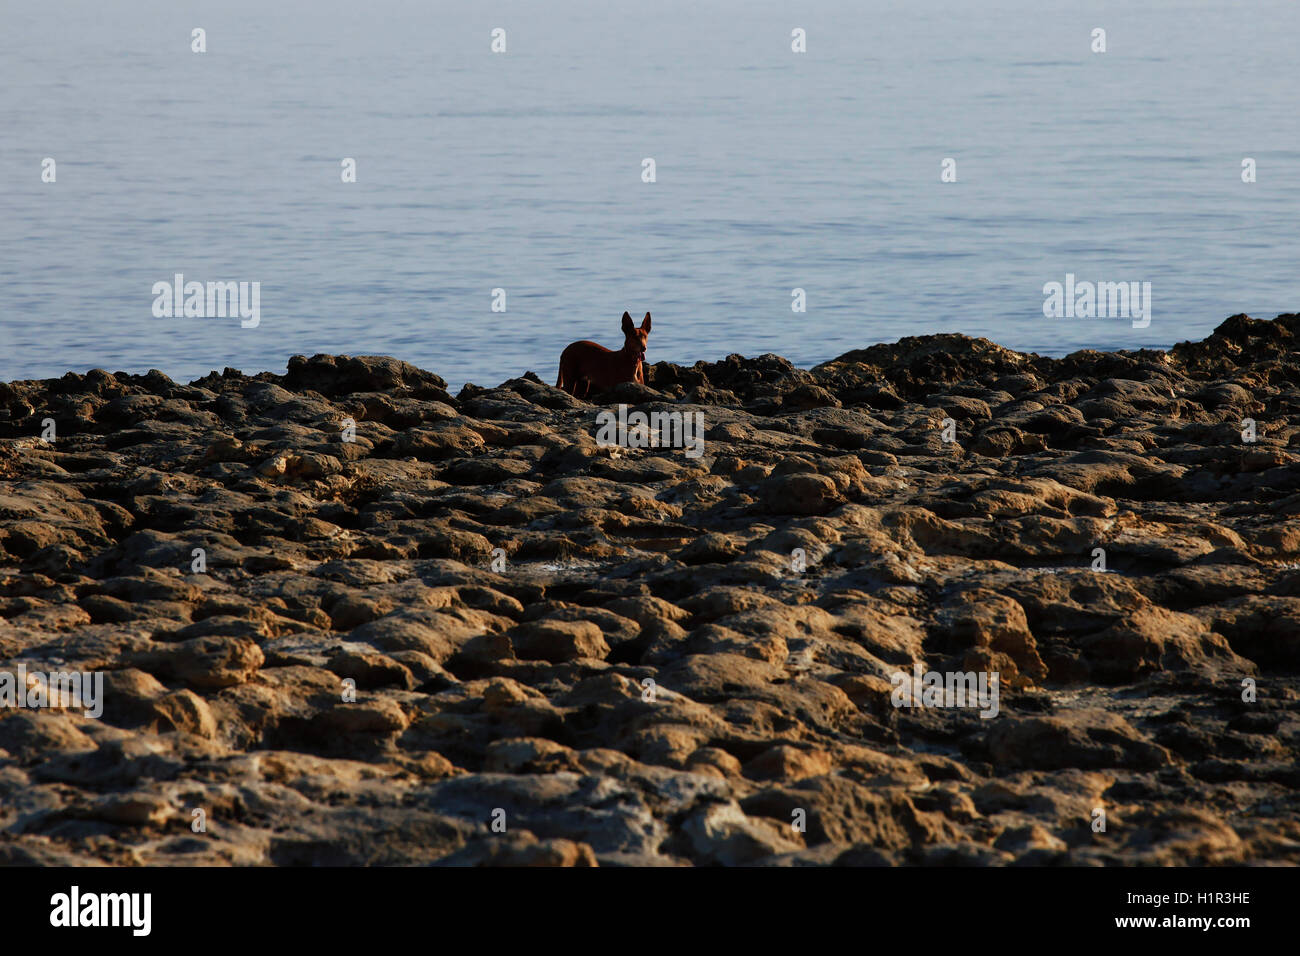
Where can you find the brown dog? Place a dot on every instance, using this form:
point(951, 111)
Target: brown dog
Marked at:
point(586, 367)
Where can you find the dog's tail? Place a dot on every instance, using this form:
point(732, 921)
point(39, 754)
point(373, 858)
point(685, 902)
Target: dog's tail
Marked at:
point(564, 365)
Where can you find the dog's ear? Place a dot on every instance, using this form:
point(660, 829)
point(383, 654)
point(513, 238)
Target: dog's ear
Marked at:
point(627, 324)
point(645, 323)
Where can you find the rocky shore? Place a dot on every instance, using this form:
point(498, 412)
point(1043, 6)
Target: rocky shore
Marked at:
point(345, 617)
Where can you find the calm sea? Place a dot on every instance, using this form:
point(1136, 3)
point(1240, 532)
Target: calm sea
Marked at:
point(523, 171)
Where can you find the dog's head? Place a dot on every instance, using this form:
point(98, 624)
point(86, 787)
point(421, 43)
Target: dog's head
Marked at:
point(635, 338)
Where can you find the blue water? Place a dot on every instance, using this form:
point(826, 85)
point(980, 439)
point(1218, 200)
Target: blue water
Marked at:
point(522, 171)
